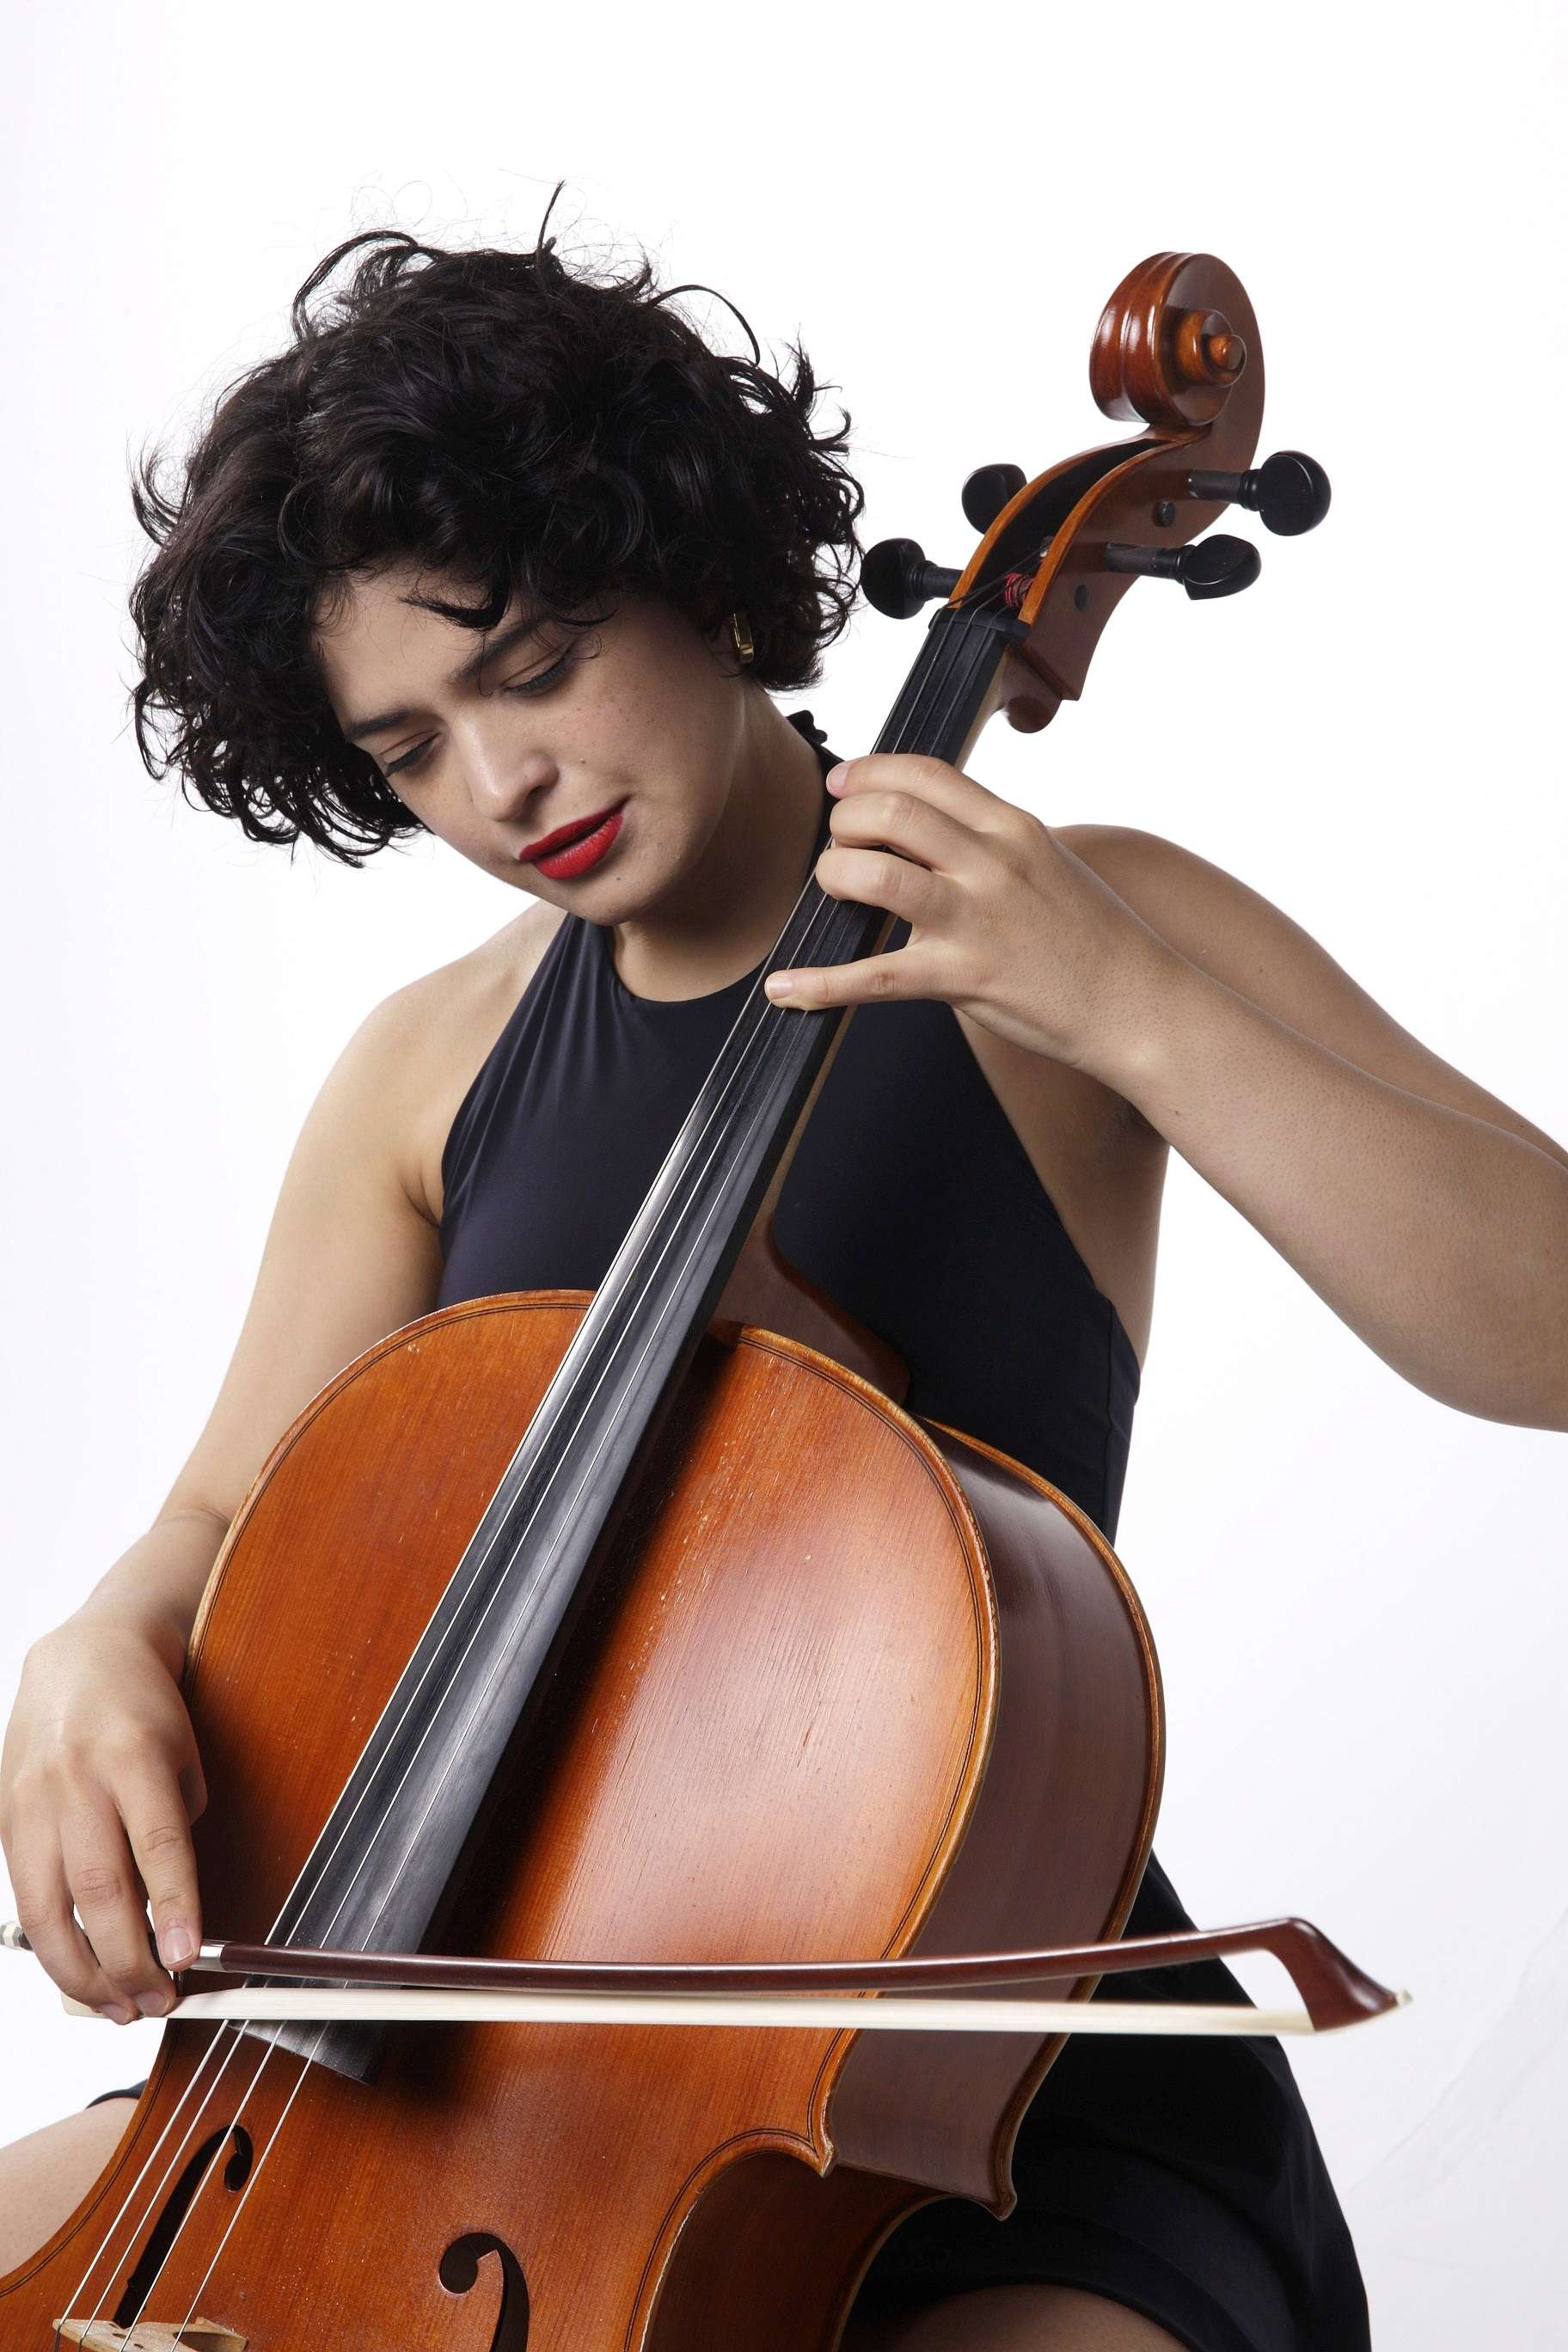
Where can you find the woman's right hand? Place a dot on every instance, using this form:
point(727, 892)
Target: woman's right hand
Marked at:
point(99, 1782)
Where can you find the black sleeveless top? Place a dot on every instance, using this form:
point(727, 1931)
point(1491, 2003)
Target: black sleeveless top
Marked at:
point(1180, 2178)
point(907, 1160)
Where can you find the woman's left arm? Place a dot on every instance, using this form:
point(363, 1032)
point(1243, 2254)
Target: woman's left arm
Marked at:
point(1431, 1217)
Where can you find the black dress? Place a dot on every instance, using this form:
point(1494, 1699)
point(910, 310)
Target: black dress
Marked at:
point(1181, 2178)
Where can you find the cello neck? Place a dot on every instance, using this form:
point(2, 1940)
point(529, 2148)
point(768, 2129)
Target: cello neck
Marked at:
point(379, 1871)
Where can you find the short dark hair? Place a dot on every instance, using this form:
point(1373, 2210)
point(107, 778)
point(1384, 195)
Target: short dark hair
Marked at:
point(532, 430)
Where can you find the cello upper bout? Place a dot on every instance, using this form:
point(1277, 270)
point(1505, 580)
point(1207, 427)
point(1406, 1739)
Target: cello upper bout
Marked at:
point(766, 1291)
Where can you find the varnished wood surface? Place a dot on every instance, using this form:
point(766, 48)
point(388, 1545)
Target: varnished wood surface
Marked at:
point(794, 1730)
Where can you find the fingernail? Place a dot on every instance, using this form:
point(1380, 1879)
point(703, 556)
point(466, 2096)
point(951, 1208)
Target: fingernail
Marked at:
point(115, 2013)
point(153, 2004)
point(779, 983)
point(176, 1946)
point(835, 777)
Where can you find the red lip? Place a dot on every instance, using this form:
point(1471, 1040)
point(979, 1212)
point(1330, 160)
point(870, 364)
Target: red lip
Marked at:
point(565, 833)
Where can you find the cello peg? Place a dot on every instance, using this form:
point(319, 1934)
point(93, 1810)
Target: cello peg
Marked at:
point(987, 491)
point(1216, 566)
point(1289, 491)
point(897, 579)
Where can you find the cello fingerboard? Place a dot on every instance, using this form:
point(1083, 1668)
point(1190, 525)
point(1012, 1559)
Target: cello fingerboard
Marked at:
point(503, 1630)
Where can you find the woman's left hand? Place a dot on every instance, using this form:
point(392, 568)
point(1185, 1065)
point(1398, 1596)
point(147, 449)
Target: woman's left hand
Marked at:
point(1006, 924)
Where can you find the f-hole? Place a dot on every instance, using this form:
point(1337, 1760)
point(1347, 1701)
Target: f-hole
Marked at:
point(460, 2267)
point(154, 2254)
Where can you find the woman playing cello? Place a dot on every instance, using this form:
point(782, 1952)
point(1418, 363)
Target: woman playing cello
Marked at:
point(503, 554)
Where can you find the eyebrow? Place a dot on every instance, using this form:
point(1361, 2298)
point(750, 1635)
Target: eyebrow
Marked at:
point(502, 642)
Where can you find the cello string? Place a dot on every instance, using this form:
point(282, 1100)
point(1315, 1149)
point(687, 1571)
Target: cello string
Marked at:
point(953, 650)
point(949, 657)
point(235, 2037)
point(190, 2214)
point(931, 685)
point(678, 1233)
point(661, 1252)
point(821, 919)
point(819, 922)
point(936, 677)
point(645, 1268)
point(240, 2202)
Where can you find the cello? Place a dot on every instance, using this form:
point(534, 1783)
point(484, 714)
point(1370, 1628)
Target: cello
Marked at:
point(641, 1644)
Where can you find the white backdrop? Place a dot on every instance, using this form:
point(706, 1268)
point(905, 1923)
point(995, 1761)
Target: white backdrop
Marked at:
point(1359, 1594)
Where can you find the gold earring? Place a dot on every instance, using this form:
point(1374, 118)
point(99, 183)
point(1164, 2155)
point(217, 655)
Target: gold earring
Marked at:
point(745, 651)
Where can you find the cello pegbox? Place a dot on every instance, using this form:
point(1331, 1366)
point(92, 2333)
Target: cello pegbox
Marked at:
point(1178, 347)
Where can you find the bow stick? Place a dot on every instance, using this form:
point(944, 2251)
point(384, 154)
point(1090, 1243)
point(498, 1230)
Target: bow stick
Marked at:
point(428, 1988)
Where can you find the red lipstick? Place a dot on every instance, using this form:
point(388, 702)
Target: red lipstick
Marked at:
point(571, 849)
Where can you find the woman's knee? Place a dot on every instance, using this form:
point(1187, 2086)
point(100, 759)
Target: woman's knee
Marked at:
point(1012, 2319)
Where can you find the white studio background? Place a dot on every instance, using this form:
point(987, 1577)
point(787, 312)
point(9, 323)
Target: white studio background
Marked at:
point(1359, 1593)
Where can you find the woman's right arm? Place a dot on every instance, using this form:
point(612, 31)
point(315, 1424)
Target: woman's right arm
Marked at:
point(99, 1780)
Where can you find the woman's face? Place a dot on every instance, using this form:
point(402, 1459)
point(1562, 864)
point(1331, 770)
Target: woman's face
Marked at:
point(497, 742)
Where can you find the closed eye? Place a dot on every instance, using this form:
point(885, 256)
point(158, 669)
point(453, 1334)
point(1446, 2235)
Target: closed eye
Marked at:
point(546, 677)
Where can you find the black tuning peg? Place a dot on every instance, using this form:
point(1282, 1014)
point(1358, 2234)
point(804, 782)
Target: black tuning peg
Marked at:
point(986, 493)
point(1289, 491)
point(1216, 566)
point(897, 579)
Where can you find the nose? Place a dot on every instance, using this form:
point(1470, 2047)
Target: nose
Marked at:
point(504, 781)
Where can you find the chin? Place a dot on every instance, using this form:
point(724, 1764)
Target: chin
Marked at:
point(600, 897)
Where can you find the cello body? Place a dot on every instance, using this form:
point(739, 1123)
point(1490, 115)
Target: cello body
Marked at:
point(858, 1685)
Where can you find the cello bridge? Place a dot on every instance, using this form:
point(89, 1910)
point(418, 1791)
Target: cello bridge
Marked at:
point(149, 2335)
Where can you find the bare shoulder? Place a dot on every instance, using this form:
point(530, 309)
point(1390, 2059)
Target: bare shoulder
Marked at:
point(1240, 938)
point(428, 1040)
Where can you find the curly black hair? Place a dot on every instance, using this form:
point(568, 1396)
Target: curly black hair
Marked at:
point(522, 427)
